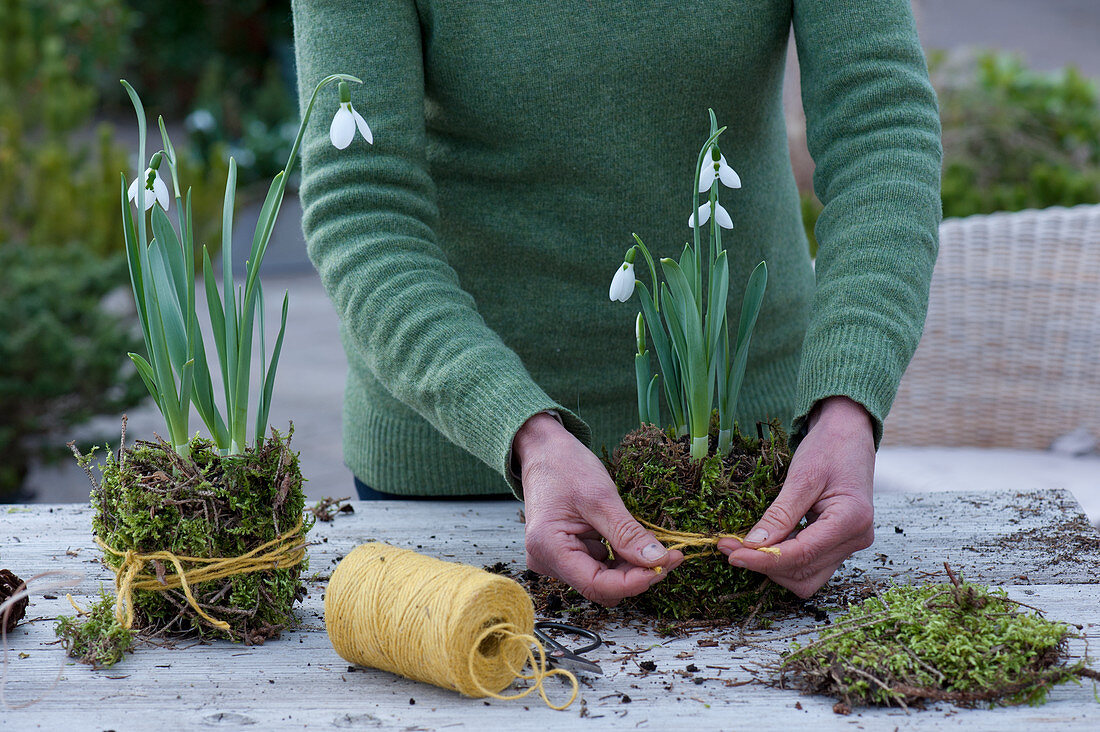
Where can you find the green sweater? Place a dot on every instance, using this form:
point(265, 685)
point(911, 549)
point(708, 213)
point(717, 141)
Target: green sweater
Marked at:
point(517, 144)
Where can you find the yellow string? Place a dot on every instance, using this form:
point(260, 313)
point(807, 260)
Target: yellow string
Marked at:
point(685, 539)
point(286, 550)
point(445, 623)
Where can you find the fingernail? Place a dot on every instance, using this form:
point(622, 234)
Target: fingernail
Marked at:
point(756, 536)
point(725, 550)
point(653, 552)
point(735, 562)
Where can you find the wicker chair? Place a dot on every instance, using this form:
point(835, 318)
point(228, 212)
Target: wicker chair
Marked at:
point(1010, 355)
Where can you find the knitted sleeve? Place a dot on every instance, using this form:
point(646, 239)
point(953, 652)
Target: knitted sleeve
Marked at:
point(369, 218)
point(874, 133)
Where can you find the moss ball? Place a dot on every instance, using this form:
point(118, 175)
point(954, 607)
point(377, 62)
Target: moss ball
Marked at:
point(660, 483)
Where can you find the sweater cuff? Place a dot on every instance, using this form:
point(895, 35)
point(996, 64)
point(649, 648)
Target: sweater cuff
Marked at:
point(853, 362)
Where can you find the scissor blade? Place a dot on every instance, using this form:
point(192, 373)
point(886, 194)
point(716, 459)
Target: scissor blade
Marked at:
point(571, 662)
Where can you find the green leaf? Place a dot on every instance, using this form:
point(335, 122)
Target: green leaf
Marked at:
point(261, 311)
point(642, 377)
point(716, 303)
point(693, 358)
point(753, 299)
point(262, 235)
point(145, 371)
point(269, 381)
point(229, 355)
point(175, 330)
point(168, 148)
point(133, 262)
point(203, 397)
point(217, 319)
point(187, 380)
point(651, 398)
point(688, 265)
point(689, 317)
point(750, 309)
point(173, 251)
point(665, 358)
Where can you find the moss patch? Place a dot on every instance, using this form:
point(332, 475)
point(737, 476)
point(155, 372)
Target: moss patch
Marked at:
point(660, 483)
point(99, 640)
point(207, 505)
point(957, 642)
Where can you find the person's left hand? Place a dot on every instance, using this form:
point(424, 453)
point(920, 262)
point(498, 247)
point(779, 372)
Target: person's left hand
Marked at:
point(830, 483)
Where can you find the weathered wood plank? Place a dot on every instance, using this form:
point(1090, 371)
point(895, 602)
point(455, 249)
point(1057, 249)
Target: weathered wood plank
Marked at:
point(300, 682)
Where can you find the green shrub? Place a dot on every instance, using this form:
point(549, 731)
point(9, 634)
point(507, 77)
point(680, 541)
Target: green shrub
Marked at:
point(58, 171)
point(60, 349)
point(1015, 138)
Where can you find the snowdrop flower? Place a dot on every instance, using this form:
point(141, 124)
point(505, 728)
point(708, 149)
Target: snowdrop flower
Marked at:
point(717, 166)
point(622, 284)
point(703, 214)
point(342, 130)
point(155, 189)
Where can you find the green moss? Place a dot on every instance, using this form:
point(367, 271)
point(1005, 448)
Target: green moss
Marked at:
point(660, 483)
point(151, 499)
point(957, 642)
point(99, 640)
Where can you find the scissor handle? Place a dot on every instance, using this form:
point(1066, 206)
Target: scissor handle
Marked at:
point(543, 625)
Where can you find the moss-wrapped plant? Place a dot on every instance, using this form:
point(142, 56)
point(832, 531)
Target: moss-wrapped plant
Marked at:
point(151, 499)
point(700, 475)
point(727, 494)
point(958, 642)
point(205, 534)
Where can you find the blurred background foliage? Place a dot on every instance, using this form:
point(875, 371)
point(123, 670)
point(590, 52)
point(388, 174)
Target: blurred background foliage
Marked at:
point(1013, 138)
point(60, 351)
point(220, 74)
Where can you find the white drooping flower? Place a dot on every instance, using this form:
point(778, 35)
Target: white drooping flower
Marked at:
point(721, 168)
point(155, 190)
point(703, 214)
point(622, 284)
point(346, 120)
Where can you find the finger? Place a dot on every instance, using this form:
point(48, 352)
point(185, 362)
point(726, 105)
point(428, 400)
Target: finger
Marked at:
point(628, 538)
point(600, 583)
point(797, 497)
point(806, 561)
point(840, 530)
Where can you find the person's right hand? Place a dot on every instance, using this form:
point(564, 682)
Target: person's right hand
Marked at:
point(570, 503)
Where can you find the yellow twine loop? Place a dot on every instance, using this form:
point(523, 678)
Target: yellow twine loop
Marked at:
point(445, 623)
point(684, 539)
point(539, 673)
point(284, 551)
point(80, 612)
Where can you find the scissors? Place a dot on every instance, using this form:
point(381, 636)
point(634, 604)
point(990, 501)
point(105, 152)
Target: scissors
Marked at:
point(559, 656)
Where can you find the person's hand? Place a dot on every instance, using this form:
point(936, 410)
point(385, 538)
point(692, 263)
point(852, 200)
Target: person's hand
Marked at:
point(570, 503)
point(830, 483)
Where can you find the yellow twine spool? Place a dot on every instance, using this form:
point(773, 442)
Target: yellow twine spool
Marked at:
point(448, 624)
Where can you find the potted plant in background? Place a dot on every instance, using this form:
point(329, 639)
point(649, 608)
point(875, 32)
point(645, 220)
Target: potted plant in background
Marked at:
point(695, 475)
point(205, 534)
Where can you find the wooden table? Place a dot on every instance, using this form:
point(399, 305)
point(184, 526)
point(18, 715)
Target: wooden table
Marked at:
point(1036, 544)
